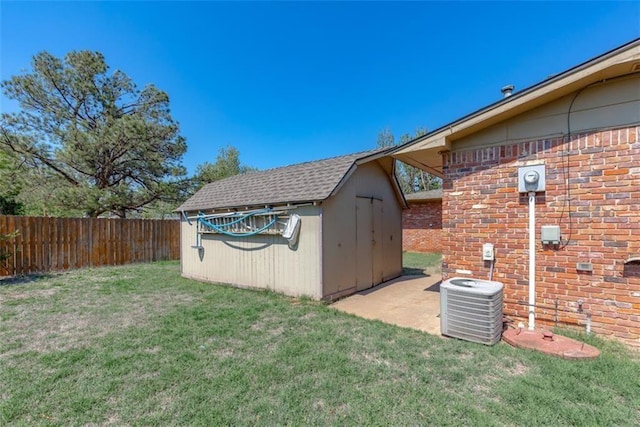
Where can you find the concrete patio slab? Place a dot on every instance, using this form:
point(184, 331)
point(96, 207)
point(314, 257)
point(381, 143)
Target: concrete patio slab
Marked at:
point(409, 301)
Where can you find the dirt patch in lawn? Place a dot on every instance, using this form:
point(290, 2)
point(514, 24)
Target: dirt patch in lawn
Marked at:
point(37, 293)
point(45, 317)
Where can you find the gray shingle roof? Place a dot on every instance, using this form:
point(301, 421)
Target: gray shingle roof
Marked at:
point(303, 182)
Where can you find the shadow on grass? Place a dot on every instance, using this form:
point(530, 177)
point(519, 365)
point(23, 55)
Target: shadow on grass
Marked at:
point(23, 280)
point(411, 271)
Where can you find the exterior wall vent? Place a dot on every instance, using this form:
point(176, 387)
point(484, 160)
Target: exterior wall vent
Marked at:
point(471, 310)
point(632, 266)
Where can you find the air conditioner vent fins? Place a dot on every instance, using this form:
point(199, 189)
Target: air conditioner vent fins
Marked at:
point(471, 309)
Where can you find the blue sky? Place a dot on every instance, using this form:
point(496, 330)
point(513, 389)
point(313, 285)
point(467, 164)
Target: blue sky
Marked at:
point(292, 82)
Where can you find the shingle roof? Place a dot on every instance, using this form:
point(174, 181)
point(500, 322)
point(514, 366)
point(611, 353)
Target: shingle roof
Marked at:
point(299, 183)
point(424, 195)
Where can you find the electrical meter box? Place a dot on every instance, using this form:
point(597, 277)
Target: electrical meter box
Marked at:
point(531, 178)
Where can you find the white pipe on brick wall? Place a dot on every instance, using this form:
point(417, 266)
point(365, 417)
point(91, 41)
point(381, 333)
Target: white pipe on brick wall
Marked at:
point(532, 260)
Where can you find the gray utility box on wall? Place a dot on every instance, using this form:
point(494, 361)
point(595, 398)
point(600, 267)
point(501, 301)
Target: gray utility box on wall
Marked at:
point(531, 178)
point(471, 309)
point(550, 234)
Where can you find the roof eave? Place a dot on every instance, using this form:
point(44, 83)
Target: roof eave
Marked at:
point(375, 156)
point(618, 62)
point(291, 203)
point(354, 166)
point(397, 188)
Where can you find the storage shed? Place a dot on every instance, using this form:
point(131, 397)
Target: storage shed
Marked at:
point(550, 177)
point(322, 229)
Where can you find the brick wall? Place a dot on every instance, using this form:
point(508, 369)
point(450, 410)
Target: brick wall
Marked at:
point(422, 226)
point(598, 212)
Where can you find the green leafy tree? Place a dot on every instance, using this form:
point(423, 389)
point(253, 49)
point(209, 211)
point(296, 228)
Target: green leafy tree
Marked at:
point(10, 180)
point(5, 254)
point(227, 164)
point(5, 249)
point(411, 179)
point(164, 208)
point(95, 144)
point(30, 189)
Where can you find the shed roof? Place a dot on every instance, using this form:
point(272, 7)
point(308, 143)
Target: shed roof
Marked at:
point(299, 183)
point(424, 195)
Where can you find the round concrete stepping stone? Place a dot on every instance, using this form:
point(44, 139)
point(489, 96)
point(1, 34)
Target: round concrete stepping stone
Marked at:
point(549, 343)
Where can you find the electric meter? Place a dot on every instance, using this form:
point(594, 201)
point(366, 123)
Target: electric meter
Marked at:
point(531, 178)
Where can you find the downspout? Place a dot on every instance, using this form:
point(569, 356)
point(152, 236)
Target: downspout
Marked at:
point(531, 179)
point(532, 260)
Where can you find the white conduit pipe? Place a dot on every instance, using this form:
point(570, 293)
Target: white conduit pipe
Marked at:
point(532, 260)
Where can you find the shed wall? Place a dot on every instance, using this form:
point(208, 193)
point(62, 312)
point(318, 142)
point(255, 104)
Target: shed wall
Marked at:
point(592, 193)
point(261, 261)
point(339, 230)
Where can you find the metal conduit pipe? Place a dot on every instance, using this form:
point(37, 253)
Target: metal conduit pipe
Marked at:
point(532, 260)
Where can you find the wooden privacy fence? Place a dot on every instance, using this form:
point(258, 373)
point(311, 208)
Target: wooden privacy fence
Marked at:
point(48, 244)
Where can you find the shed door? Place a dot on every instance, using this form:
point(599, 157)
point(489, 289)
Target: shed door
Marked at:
point(368, 242)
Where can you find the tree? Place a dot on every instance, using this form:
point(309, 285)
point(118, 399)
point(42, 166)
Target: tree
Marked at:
point(411, 179)
point(4, 253)
point(27, 190)
point(94, 143)
point(9, 185)
point(227, 164)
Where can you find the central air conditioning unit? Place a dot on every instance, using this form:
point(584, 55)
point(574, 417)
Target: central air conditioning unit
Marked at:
point(471, 309)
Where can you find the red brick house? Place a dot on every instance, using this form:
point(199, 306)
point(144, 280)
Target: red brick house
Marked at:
point(579, 131)
point(422, 222)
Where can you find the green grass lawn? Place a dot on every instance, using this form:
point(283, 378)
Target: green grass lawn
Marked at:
point(139, 345)
point(417, 263)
